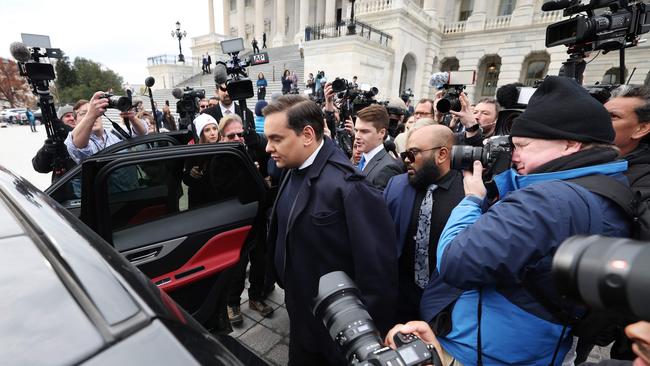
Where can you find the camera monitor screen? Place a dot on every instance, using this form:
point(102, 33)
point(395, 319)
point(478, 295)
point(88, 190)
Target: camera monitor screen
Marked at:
point(232, 45)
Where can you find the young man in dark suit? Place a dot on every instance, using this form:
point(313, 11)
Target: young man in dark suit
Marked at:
point(369, 134)
point(326, 218)
point(420, 202)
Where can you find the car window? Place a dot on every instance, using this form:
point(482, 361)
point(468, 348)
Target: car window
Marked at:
point(147, 191)
point(69, 194)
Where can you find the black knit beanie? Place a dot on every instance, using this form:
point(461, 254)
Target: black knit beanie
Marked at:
point(560, 109)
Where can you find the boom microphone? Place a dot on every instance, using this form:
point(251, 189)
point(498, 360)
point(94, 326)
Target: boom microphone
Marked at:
point(149, 81)
point(556, 5)
point(177, 93)
point(20, 52)
point(220, 74)
point(439, 79)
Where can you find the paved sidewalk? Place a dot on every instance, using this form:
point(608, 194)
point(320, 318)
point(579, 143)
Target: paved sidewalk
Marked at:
point(268, 337)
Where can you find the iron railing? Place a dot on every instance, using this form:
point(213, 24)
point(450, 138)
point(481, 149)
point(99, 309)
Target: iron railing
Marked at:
point(347, 28)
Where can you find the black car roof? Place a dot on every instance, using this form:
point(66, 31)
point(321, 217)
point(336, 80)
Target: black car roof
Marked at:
point(62, 302)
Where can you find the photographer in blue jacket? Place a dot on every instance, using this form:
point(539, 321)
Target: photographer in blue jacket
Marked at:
point(501, 256)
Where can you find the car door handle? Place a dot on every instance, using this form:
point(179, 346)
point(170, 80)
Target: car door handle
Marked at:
point(144, 255)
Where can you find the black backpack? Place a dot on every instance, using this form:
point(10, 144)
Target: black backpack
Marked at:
point(598, 326)
point(633, 200)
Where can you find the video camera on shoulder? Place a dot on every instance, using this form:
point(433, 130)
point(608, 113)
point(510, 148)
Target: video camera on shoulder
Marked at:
point(338, 306)
point(235, 76)
point(454, 82)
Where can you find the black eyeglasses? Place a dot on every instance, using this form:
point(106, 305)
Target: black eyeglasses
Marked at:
point(231, 136)
point(203, 106)
point(413, 152)
point(223, 89)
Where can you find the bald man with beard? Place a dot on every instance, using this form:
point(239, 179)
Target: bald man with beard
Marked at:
point(420, 202)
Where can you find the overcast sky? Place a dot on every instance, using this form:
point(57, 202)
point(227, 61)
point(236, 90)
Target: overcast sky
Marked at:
point(119, 34)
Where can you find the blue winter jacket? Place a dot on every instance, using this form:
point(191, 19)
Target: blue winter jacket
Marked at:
point(515, 239)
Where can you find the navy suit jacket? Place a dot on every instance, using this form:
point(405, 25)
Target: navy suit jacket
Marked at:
point(400, 198)
point(381, 168)
point(338, 223)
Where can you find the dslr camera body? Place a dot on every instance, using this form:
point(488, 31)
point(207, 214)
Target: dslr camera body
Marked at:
point(495, 156)
point(119, 102)
point(338, 306)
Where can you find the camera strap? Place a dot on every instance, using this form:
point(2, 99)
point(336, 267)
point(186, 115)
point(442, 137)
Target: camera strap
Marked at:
point(479, 314)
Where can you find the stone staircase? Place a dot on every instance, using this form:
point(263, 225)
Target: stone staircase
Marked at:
point(281, 58)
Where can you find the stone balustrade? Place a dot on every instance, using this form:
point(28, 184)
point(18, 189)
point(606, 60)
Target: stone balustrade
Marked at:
point(499, 22)
point(454, 27)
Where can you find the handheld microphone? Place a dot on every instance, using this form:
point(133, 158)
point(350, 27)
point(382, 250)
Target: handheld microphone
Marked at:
point(149, 82)
point(20, 52)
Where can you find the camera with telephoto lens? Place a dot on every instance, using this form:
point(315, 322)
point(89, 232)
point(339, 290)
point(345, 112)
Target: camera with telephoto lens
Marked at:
point(495, 156)
point(118, 102)
point(605, 273)
point(338, 306)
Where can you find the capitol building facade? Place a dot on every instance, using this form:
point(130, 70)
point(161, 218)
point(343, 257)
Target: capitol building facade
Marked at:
point(397, 44)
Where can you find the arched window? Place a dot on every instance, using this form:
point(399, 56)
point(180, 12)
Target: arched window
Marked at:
point(487, 76)
point(466, 7)
point(534, 68)
point(612, 76)
point(491, 79)
point(449, 64)
point(506, 7)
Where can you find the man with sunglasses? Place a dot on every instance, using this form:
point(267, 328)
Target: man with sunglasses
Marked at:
point(420, 201)
point(509, 311)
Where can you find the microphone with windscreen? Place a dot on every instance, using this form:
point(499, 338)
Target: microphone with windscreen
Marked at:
point(20, 52)
point(177, 93)
point(220, 74)
point(149, 82)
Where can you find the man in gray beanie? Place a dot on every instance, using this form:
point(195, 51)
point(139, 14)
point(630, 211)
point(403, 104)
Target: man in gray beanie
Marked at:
point(501, 256)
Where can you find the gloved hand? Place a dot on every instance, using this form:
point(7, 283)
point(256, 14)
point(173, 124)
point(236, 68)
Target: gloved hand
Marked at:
point(49, 147)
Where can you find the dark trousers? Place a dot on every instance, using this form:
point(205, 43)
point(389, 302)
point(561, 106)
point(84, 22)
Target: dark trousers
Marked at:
point(299, 356)
point(256, 49)
point(261, 93)
point(256, 276)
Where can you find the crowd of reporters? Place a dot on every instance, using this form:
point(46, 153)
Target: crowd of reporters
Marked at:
point(428, 245)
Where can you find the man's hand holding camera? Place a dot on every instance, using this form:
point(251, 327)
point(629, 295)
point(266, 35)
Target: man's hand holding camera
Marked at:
point(417, 327)
point(473, 181)
point(466, 116)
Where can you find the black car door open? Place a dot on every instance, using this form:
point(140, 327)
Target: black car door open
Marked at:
point(67, 190)
point(181, 214)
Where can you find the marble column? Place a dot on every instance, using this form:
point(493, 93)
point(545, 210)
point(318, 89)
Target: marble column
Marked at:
point(305, 5)
point(441, 10)
point(259, 20)
point(320, 11)
point(280, 26)
point(226, 17)
point(476, 22)
point(241, 19)
point(523, 13)
point(330, 11)
point(211, 15)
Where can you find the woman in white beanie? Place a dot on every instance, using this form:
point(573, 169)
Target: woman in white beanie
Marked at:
point(195, 174)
